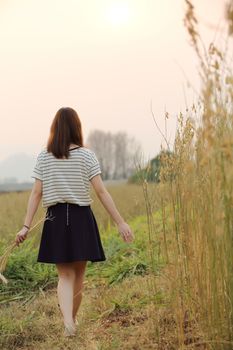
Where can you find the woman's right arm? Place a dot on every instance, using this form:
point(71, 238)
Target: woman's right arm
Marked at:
point(108, 203)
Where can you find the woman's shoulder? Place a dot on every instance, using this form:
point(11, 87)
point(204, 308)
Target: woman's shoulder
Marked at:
point(87, 150)
point(41, 152)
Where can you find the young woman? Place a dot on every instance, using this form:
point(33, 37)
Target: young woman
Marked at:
point(70, 235)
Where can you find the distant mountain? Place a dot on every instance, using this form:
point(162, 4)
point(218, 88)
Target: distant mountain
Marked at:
point(17, 168)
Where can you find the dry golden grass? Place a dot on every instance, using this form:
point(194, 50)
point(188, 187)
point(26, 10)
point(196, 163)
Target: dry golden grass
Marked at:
point(121, 317)
point(109, 319)
point(197, 204)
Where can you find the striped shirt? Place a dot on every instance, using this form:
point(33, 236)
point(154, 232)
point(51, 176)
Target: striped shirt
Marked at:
point(66, 180)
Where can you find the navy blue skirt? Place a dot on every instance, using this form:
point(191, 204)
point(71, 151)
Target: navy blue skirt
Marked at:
point(70, 233)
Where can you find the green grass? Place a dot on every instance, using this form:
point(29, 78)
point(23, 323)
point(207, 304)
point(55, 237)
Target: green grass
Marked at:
point(26, 276)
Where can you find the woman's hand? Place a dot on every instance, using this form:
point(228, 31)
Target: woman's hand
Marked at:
point(126, 232)
point(21, 235)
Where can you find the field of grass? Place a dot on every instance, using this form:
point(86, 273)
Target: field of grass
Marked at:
point(117, 309)
point(130, 301)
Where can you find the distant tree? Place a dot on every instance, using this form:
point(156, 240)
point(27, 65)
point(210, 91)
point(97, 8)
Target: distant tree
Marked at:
point(115, 152)
point(151, 172)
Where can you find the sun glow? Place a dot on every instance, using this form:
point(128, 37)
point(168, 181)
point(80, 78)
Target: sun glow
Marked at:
point(118, 14)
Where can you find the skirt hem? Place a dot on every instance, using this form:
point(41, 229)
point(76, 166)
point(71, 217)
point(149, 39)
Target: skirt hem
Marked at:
point(71, 260)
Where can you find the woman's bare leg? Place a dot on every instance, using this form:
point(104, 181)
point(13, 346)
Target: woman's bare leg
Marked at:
point(80, 267)
point(65, 290)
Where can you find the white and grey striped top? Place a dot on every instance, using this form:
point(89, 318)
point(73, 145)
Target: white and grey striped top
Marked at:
point(66, 180)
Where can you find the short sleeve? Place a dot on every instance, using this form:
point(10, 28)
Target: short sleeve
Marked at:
point(37, 171)
point(94, 166)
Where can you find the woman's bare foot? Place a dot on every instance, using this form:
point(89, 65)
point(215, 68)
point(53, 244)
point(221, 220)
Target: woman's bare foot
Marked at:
point(70, 330)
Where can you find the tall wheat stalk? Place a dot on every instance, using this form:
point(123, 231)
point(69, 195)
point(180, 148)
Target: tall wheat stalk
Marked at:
point(196, 191)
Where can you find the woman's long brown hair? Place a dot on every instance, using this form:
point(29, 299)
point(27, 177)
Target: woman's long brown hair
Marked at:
point(66, 128)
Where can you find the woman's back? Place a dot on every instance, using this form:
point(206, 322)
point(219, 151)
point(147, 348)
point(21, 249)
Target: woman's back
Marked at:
point(66, 179)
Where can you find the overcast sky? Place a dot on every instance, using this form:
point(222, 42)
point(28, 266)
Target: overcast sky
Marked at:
point(107, 59)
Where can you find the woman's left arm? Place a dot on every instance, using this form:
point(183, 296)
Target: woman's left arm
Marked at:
point(32, 206)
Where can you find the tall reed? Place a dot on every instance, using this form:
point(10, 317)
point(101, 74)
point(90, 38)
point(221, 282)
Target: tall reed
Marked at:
point(196, 192)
